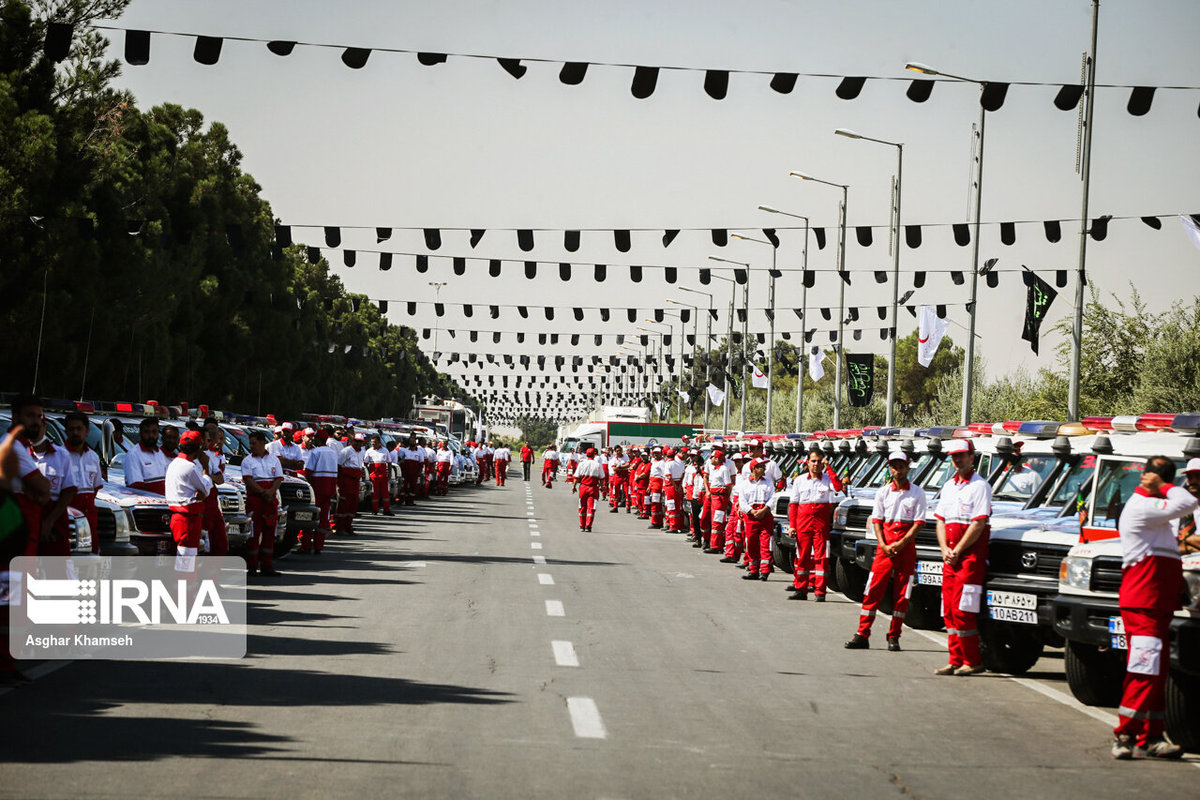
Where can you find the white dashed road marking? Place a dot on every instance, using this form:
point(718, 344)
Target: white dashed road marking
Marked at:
point(545, 579)
point(554, 608)
point(535, 545)
point(539, 559)
point(564, 654)
point(585, 718)
point(414, 563)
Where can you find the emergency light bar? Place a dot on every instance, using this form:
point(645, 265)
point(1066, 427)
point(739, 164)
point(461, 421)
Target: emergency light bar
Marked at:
point(1073, 429)
point(942, 430)
point(1155, 422)
point(1126, 423)
point(1097, 423)
point(1186, 423)
point(1043, 429)
point(984, 428)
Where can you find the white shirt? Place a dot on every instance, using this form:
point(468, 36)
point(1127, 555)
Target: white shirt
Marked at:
point(897, 509)
point(772, 474)
point(377, 455)
point(550, 455)
point(503, 454)
point(755, 493)
point(806, 489)
point(412, 454)
point(350, 458)
point(658, 469)
point(25, 466)
point(445, 456)
point(334, 445)
point(282, 450)
point(85, 468)
point(963, 502)
point(394, 455)
point(216, 464)
point(55, 464)
point(719, 477)
point(320, 462)
point(186, 480)
point(143, 467)
point(430, 455)
point(589, 468)
point(675, 469)
point(262, 470)
point(1145, 524)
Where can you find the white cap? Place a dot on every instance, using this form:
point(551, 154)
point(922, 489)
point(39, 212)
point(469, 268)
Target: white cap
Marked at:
point(959, 446)
point(1193, 465)
point(898, 455)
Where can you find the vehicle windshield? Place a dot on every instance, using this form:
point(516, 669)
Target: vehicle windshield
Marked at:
point(1117, 481)
point(1077, 477)
point(938, 475)
point(1024, 476)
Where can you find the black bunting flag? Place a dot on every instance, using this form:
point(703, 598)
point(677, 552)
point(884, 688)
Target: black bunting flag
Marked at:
point(1038, 297)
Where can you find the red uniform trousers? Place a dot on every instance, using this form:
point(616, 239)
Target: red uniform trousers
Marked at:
point(411, 472)
point(487, 463)
point(379, 488)
point(33, 520)
point(426, 474)
point(674, 505)
point(812, 522)
point(589, 492)
point(186, 524)
point(347, 482)
point(641, 497)
point(616, 483)
point(718, 510)
point(548, 469)
point(758, 542)
point(213, 521)
point(962, 593)
point(264, 515)
point(701, 517)
point(324, 490)
point(571, 476)
point(656, 502)
point(604, 483)
point(1150, 591)
point(86, 503)
point(900, 569)
point(734, 530)
point(501, 466)
point(481, 462)
point(443, 477)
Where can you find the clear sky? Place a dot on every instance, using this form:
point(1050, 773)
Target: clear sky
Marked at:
point(464, 145)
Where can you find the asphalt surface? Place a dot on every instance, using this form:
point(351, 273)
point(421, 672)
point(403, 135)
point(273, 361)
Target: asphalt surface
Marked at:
point(433, 656)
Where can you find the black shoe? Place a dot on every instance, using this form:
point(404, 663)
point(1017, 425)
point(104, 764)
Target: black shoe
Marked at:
point(893, 644)
point(388, 514)
point(588, 529)
point(613, 510)
point(820, 598)
point(763, 576)
point(797, 595)
point(270, 572)
point(750, 576)
point(858, 642)
point(697, 544)
point(724, 559)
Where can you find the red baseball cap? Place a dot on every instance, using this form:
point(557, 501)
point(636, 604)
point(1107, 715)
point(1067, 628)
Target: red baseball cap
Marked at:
point(188, 437)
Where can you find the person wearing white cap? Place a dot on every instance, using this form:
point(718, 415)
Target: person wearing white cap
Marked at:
point(719, 477)
point(286, 450)
point(754, 497)
point(962, 515)
point(1189, 529)
point(549, 466)
point(589, 476)
point(1151, 582)
point(897, 517)
point(350, 473)
point(811, 502)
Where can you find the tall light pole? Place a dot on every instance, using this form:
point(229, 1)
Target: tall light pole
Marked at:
point(1086, 165)
point(771, 320)
point(840, 349)
point(728, 352)
point(891, 382)
point(977, 185)
point(745, 327)
point(803, 306)
point(707, 345)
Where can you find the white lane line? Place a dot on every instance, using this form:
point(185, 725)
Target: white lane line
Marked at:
point(534, 533)
point(529, 513)
point(585, 718)
point(414, 564)
point(1068, 701)
point(535, 545)
point(539, 559)
point(545, 579)
point(554, 608)
point(564, 654)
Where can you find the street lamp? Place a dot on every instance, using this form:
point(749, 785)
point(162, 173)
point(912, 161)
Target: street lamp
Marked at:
point(803, 304)
point(695, 349)
point(771, 319)
point(707, 345)
point(745, 326)
point(977, 184)
point(837, 390)
point(891, 382)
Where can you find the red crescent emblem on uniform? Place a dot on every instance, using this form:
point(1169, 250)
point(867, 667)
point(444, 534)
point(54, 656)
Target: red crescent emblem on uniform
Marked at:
point(922, 341)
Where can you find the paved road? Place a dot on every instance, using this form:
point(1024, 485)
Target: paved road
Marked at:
point(434, 656)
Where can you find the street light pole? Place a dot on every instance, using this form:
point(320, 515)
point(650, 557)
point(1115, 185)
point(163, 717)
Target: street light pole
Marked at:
point(803, 306)
point(771, 319)
point(745, 324)
point(1077, 330)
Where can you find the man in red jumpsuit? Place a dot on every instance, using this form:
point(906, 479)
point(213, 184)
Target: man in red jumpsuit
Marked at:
point(811, 502)
point(735, 529)
point(618, 480)
point(186, 488)
point(962, 515)
point(526, 460)
point(262, 474)
point(658, 477)
point(378, 462)
point(754, 496)
point(412, 462)
point(589, 476)
point(641, 485)
point(146, 465)
point(212, 461)
point(350, 473)
point(719, 476)
point(445, 462)
point(673, 491)
point(321, 471)
point(85, 465)
point(897, 517)
point(1151, 581)
point(549, 466)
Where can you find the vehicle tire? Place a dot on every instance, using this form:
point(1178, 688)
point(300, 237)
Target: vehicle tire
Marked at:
point(1006, 648)
point(1095, 678)
point(925, 609)
point(781, 555)
point(851, 578)
point(1183, 710)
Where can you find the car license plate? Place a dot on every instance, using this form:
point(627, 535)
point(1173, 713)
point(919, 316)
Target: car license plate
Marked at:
point(1004, 614)
point(929, 573)
point(1116, 634)
point(1012, 600)
point(304, 516)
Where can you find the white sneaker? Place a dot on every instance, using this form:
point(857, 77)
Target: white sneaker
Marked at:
point(1160, 747)
point(1122, 747)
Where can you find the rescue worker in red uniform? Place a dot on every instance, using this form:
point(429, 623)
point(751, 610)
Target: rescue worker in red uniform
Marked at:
point(673, 495)
point(445, 462)
point(186, 488)
point(54, 533)
point(378, 462)
point(350, 473)
point(589, 476)
point(811, 502)
point(641, 485)
point(1151, 582)
point(500, 458)
point(489, 455)
point(262, 475)
point(618, 480)
point(962, 515)
point(897, 517)
point(480, 454)
point(754, 497)
point(719, 476)
point(30, 487)
point(735, 529)
point(429, 468)
point(549, 466)
point(693, 484)
point(146, 465)
point(658, 476)
point(412, 461)
point(85, 466)
point(526, 460)
point(321, 472)
point(212, 462)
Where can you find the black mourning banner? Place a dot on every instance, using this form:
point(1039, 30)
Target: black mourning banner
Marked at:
point(1038, 297)
point(860, 378)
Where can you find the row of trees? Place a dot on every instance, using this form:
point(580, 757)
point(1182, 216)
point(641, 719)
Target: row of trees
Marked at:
point(152, 254)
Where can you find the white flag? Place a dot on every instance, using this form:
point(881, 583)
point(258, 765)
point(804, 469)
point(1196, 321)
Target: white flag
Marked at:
point(759, 379)
point(1192, 228)
point(816, 366)
point(715, 395)
point(685, 397)
point(930, 330)
point(657, 408)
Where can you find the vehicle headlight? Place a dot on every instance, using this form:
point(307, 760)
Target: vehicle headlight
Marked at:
point(1076, 572)
point(1191, 582)
point(840, 516)
point(123, 524)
